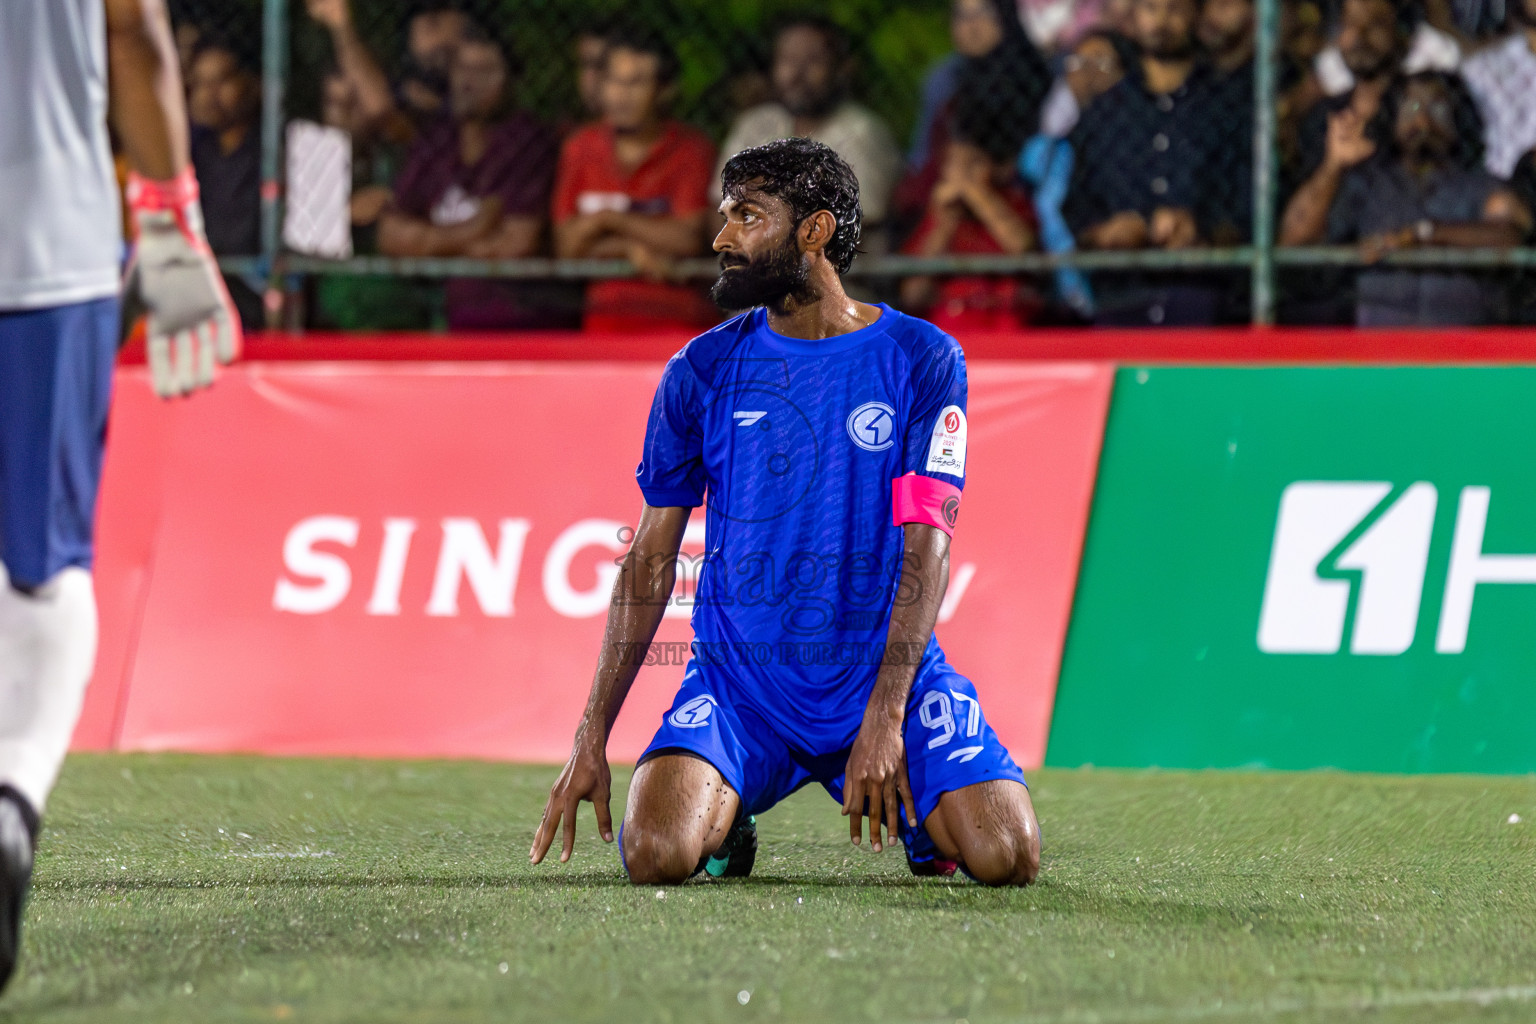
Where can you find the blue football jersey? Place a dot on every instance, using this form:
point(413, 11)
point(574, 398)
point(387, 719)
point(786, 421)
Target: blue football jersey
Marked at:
point(793, 446)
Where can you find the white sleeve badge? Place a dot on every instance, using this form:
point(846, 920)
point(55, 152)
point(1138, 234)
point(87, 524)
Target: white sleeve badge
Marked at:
point(946, 451)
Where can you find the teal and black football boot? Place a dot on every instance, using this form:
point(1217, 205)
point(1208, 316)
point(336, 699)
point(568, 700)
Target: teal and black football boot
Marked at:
point(737, 854)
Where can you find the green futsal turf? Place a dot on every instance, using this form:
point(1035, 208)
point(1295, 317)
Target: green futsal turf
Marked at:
point(177, 888)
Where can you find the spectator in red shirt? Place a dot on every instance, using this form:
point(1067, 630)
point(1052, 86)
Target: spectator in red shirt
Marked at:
point(978, 206)
point(635, 186)
point(477, 184)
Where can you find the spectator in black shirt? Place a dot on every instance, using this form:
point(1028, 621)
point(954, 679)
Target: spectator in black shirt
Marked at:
point(1146, 173)
point(1427, 186)
point(1373, 39)
point(224, 106)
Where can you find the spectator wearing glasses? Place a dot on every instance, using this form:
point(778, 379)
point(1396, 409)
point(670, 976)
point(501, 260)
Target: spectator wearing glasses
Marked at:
point(1145, 173)
point(1502, 78)
point(477, 184)
point(635, 186)
point(1096, 64)
point(1425, 186)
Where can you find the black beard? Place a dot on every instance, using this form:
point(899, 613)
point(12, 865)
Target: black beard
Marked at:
point(766, 281)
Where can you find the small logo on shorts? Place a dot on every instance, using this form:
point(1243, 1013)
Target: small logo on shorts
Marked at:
point(873, 426)
point(951, 510)
point(695, 714)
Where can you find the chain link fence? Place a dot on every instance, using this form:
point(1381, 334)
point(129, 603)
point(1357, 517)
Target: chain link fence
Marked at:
point(409, 164)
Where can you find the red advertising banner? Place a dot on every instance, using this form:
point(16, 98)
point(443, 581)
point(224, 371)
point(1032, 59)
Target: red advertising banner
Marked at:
point(414, 559)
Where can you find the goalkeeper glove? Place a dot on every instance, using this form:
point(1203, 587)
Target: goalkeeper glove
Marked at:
point(191, 321)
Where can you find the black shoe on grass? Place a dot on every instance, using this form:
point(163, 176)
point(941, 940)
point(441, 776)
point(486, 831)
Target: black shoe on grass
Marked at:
point(737, 854)
point(931, 867)
point(18, 829)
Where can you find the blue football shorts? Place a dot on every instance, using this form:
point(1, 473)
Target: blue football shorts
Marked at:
point(949, 744)
point(55, 387)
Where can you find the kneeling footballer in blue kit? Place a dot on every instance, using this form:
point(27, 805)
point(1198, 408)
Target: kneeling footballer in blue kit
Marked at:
point(826, 438)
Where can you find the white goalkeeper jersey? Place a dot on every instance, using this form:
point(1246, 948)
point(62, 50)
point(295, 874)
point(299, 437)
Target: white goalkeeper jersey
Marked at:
point(60, 225)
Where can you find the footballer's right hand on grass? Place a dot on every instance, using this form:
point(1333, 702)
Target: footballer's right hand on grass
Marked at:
point(192, 323)
point(584, 777)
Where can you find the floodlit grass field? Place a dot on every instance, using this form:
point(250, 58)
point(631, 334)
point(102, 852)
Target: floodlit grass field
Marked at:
point(242, 889)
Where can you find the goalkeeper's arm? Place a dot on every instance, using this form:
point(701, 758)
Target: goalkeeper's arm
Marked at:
point(192, 323)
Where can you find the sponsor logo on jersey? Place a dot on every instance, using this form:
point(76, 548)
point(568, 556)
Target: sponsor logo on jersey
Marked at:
point(872, 426)
point(747, 417)
point(946, 448)
point(695, 714)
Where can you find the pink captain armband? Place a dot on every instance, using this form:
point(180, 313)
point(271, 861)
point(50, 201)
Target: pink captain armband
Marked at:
point(922, 499)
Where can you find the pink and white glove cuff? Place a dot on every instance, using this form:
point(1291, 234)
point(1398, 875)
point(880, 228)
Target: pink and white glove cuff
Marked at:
point(174, 194)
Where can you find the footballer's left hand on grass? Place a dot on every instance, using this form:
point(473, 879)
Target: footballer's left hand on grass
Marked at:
point(192, 322)
point(585, 777)
point(877, 772)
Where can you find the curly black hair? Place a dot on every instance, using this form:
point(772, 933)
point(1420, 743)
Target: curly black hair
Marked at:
point(808, 176)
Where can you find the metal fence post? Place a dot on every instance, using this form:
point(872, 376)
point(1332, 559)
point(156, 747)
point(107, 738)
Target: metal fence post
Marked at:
point(1265, 181)
point(274, 75)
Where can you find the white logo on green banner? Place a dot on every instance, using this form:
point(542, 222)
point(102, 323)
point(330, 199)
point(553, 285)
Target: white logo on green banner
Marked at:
point(1340, 540)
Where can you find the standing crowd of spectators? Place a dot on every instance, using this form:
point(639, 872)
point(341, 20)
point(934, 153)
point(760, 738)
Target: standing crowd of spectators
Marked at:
point(1054, 125)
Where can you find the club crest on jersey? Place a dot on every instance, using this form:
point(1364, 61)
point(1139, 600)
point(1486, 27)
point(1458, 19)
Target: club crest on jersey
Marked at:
point(695, 714)
point(872, 426)
point(946, 448)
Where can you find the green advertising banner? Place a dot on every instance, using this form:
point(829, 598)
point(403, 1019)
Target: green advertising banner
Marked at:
point(1309, 567)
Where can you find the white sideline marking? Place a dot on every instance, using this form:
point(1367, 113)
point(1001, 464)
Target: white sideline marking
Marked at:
point(1386, 1001)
